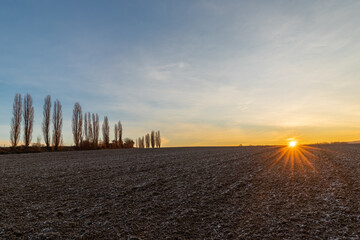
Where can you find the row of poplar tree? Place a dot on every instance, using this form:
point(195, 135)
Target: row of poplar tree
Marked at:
point(85, 128)
point(152, 138)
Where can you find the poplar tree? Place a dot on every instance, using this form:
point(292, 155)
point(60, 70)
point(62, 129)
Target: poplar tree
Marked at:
point(16, 121)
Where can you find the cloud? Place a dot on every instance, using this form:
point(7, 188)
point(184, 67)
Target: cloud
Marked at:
point(166, 72)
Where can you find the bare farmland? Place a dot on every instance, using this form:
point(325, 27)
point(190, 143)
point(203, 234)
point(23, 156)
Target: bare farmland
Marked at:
point(183, 193)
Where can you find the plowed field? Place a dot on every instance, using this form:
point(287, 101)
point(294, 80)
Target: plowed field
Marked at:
point(183, 193)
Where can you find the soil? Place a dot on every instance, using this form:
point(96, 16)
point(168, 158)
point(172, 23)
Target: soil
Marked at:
point(309, 192)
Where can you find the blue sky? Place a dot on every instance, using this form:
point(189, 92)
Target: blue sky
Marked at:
point(202, 72)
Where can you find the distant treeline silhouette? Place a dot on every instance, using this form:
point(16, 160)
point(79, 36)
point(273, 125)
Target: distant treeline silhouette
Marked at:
point(85, 128)
point(153, 138)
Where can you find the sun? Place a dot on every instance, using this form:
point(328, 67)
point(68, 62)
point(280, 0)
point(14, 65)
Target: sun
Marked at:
point(292, 143)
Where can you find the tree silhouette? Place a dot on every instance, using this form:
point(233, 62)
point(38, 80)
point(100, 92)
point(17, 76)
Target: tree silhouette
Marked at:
point(90, 129)
point(95, 118)
point(16, 121)
point(28, 119)
point(159, 136)
point(86, 135)
point(152, 139)
point(157, 139)
point(57, 124)
point(77, 122)
point(120, 131)
point(46, 120)
point(128, 143)
point(147, 140)
point(140, 142)
point(116, 133)
point(106, 131)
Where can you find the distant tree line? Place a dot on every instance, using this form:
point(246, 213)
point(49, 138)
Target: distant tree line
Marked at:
point(152, 139)
point(85, 127)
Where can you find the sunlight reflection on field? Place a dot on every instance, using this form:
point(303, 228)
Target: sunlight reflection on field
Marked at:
point(291, 157)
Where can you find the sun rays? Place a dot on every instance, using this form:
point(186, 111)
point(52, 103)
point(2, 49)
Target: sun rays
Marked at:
point(293, 157)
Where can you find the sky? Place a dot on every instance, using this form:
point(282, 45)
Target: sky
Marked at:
point(204, 73)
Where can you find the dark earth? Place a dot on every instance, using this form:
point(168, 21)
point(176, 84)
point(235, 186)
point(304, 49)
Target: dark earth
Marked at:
point(309, 192)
